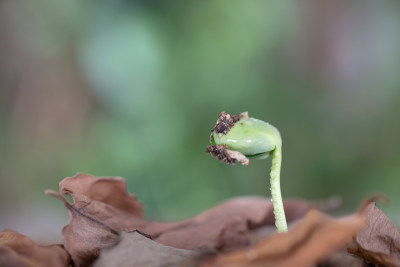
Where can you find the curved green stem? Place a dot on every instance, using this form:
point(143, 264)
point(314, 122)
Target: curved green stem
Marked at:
point(279, 212)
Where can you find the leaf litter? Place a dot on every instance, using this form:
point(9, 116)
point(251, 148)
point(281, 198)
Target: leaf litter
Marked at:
point(379, 241)
point(94, 222)
point(19, 250)
point(137, 249)
point(310, 241)
point(106, 227)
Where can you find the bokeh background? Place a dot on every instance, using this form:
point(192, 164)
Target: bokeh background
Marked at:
point(133, 88)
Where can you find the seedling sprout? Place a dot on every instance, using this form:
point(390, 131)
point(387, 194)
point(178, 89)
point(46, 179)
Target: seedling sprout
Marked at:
point(238, 138)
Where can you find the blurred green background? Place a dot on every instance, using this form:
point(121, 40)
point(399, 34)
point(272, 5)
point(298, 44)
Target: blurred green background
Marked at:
point(133, 88)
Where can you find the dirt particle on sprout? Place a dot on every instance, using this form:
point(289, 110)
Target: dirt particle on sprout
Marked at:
point(222, 153)
point(225, 122)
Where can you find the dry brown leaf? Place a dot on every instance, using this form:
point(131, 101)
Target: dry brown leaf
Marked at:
point(309, 242)
point(97, 202)
point(342, 258)
point(20, 250)
point(223, 227)
point(379, 241)
point(227, 226)
point(135, 249)
point(95, 219)
point(84, 236)
point(109, 190)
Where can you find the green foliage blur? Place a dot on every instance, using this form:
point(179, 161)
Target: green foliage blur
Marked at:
point(133, 88)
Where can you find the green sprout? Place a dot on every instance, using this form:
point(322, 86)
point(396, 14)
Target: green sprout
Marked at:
point(237, 138)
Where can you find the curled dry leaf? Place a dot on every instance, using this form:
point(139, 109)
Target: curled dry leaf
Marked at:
point(109, 190)
point(135, 249)
point(308, 243)
point(20, 250)
point(95, 219)
point(84, 236)
point(379, 241)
